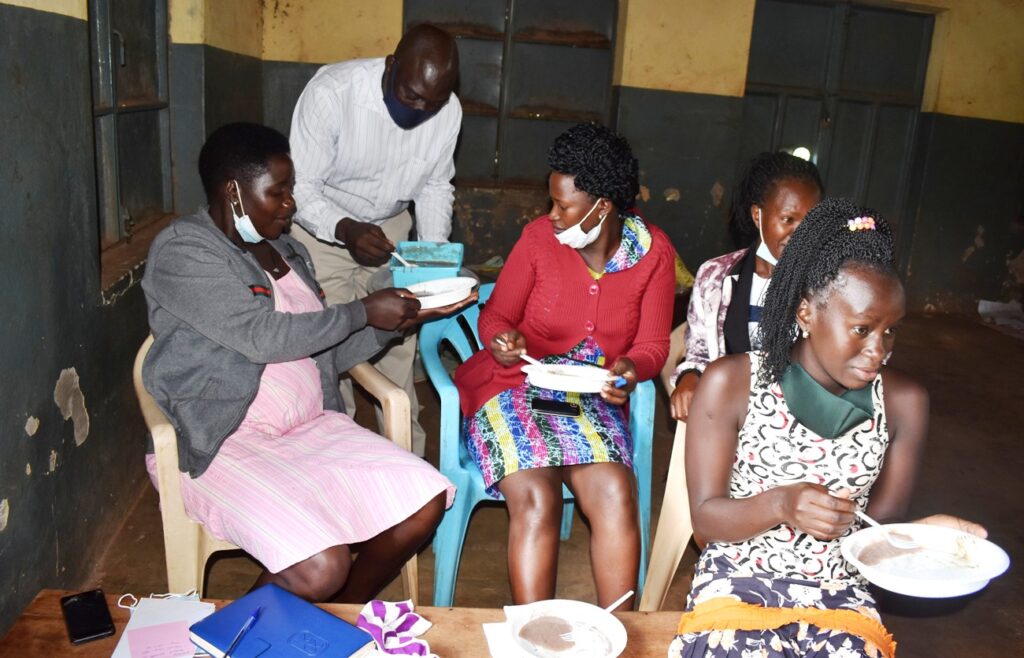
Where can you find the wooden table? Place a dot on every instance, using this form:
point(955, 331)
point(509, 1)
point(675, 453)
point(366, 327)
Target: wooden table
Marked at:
point(39, 631)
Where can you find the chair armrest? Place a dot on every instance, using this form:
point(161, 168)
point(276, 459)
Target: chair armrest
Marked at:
point(393, 400)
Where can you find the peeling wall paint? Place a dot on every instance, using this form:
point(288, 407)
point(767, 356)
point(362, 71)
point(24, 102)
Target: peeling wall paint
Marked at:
point(31, 426)
point(68, 396)
point(28, 469)
point(672, 194)
point(5, 513)
point(53, 461)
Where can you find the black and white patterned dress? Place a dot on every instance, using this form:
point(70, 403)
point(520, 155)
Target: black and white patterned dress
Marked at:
point(784, 567)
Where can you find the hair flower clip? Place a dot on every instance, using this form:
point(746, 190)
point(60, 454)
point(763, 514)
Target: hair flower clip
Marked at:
point(861, 224)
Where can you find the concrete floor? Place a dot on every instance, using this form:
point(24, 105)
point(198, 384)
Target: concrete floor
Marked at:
point(972, 468)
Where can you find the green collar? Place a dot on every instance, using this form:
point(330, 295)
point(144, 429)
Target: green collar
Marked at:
point(822, 412)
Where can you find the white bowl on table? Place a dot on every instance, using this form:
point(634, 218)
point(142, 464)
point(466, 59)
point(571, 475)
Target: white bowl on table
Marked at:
point(595, 632)
point(948, 563)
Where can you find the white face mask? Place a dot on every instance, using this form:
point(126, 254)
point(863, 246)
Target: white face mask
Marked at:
point(763, 252)
point(576, 237)
point(243, 224)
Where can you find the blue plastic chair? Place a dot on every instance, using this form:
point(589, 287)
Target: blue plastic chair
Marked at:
point(460, 332)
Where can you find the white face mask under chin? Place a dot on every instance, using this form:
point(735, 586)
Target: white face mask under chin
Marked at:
point(763, 252)
point(576, 237)
point(243, 223)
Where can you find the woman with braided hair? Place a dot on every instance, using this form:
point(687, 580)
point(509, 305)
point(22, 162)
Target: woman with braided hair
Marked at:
point(786, 443)
point(774, 194)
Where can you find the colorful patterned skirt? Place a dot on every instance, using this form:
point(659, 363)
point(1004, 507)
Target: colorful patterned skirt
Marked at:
point(506, 435)
point(715, 585)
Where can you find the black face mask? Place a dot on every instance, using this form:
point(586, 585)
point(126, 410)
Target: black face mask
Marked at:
point(404, 117)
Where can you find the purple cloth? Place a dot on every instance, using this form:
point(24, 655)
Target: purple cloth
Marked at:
point(395, 627)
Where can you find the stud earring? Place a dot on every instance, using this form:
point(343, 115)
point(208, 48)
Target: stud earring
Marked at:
point(805, 333)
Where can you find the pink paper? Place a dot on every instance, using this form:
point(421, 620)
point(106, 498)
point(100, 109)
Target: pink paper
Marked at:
point(169, 640)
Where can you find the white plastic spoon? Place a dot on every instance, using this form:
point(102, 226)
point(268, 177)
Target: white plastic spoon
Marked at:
point(568, 637)
point(896, 540)
point(401, 260)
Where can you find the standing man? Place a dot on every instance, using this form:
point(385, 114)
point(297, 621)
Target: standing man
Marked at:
point(368, 137)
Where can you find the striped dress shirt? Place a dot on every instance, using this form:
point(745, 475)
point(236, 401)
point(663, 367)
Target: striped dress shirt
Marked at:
point(351, 160)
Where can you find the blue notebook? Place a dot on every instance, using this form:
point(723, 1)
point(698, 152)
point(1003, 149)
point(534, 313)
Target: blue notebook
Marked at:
point(288, 627)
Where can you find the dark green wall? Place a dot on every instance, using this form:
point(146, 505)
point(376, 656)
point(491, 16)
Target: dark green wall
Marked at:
point(687, 146)
point(283, 82)
point(967, 211)
point(209, 87)
point(75, 496)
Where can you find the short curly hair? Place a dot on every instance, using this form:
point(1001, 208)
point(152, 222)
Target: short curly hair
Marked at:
point(600, 162)
point(238, 151)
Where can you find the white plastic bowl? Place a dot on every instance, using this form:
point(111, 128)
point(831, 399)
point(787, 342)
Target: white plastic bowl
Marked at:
point(441, 292)
point(572, 378)
point(596, 633)
point(924, 573)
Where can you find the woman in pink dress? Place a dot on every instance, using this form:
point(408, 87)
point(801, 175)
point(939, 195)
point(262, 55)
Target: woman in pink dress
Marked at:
point(245, 363)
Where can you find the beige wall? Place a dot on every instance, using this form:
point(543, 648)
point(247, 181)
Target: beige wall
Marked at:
point(976, 67)
point(697, 46)
point(233, 25)
point(321, 31)
point(73, 8)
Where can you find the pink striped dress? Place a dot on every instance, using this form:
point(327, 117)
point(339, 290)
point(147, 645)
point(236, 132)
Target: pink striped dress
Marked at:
point(295, 479)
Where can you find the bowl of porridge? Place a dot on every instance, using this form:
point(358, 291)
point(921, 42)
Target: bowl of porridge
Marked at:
point(944, 563)
point(560, 628)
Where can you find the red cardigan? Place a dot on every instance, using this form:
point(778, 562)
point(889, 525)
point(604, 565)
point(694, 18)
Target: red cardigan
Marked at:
point(546, 292)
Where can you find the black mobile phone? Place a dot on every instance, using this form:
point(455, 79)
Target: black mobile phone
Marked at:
point(554, 407)
point(87, 616)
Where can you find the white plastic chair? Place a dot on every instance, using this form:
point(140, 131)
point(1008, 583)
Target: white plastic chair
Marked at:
point(187, 545)
point(674, 524)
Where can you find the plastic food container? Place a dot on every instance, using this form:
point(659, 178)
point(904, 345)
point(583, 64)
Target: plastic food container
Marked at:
point(434, 260)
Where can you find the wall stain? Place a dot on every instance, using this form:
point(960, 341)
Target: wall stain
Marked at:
point(69, 399)
point(1016, 266)
point(979, 242)
point(717, 193)
point(31, 426)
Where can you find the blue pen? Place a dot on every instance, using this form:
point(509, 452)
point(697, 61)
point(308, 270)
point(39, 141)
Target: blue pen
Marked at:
point(249, 623)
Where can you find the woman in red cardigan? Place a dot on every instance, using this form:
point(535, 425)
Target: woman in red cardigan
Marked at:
point(591, 281)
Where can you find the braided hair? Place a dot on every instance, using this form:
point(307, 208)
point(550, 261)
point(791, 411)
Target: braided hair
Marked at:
point(763, 173)
point(600, 162)
point(817, 251)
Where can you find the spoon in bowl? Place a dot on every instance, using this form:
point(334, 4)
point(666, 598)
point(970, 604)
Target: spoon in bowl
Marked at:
point(570, 637)
point(895, 539)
